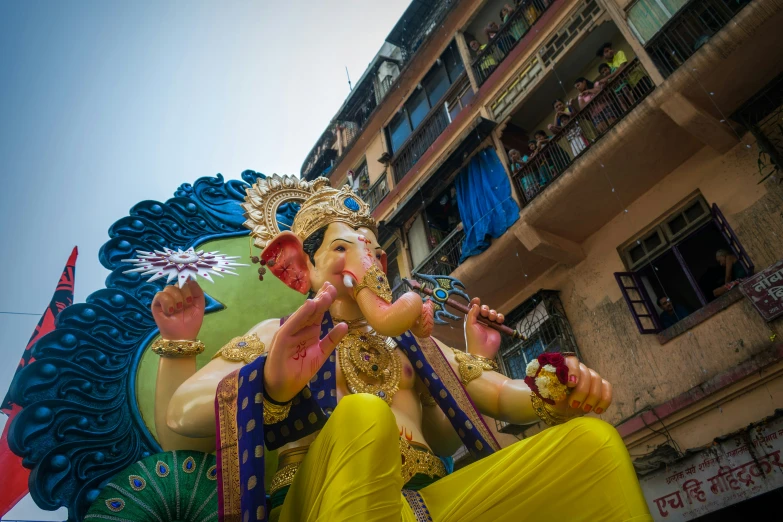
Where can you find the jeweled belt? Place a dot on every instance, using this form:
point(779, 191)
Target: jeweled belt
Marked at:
point(419, 459)
point(416, 459)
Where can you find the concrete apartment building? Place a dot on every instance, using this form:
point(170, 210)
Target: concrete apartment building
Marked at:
point(582, 238)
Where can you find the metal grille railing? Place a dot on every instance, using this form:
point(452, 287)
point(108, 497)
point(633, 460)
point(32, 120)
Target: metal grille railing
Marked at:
point(543, 322)
point(444, 259)
point(511, 32)
point(762, 115)
point(398, 290)
point(690, 28)
point(384, 86)
point(418, 143)
point(377, 192)
point(586, 127)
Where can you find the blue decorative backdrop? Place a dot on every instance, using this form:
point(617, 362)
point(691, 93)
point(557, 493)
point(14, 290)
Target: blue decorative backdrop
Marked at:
point(80, 424)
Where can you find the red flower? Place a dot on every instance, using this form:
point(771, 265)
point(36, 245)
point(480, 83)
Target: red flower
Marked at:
point(562, 374)
point(555, 359)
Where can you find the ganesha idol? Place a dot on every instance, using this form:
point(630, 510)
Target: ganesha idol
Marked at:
point(363, 406)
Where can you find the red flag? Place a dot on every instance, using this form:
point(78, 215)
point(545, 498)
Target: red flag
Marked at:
point(14, 475)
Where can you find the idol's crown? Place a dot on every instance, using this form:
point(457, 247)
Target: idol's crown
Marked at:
point(320, 205)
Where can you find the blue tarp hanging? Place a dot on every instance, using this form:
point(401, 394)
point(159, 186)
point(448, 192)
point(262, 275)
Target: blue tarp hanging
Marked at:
point(485, 203)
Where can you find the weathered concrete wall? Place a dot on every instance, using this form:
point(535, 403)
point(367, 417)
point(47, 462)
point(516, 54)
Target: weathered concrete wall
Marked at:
point(644, 372)
point(375, 150)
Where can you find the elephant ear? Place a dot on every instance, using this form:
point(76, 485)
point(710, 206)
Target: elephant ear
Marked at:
point(286, 259)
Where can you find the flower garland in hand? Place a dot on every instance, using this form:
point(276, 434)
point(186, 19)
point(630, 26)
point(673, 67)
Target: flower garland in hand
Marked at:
point(547, 377)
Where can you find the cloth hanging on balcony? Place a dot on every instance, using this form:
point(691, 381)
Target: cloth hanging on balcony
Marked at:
point(485, 203)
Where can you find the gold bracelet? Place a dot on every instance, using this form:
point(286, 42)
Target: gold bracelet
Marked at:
point(246, 348)
point(177, 349)
point(544, 412)
point(375, 280)
point(472, 366)
point(274, 413)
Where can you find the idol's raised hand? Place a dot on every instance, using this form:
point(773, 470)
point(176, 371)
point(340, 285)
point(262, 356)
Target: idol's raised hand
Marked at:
point(480, 339)
point(179, 312)
point(297, 352)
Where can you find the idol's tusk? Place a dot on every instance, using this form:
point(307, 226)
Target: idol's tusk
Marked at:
point(348, 281)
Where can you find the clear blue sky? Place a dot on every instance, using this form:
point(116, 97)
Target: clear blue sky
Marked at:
point(107, 103)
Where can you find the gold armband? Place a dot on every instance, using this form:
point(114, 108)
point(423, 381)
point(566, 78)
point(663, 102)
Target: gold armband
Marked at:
point(283, 477)
point(274, 413)
point(544, 411)
point(177, 349)
point(375, 280)
point(472, 366)
point(246, 348)
point(428, 400)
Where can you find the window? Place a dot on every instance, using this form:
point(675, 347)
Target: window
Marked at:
point(542, 320)
point(646, 17)
point(436, 83)
point(434, 87)
point(676, 260)
point(417, 107)
point(459, 99)
point(453, 61)
point(399, 130)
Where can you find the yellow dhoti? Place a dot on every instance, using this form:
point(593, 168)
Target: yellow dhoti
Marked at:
point(578, 471)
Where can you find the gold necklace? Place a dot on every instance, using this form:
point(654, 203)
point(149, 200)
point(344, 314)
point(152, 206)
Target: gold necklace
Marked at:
point(353, 324)
point(372, 356)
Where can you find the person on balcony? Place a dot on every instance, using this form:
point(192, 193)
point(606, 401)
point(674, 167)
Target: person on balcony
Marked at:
point(488, 62)
point(672, 313)
point(621, 90)
point(515, 158)
point(535, 171)
point(638, 80)
point(601, 113)
point(556, 158)
point(734, 271)
point(574, 136)
point(561, 110)
point(531, 12)
point(504, 43)
point(518, 27)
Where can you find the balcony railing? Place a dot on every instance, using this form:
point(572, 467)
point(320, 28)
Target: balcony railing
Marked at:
point(418, 143)
point(398, 290)
point(518, 24)
point(377, 192)
point(444, 259)
point(586, 127)
point(762, 115)
point(426, 133)
point(690, 28)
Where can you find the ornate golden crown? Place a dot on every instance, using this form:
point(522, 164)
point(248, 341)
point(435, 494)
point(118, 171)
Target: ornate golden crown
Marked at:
point(320, 205)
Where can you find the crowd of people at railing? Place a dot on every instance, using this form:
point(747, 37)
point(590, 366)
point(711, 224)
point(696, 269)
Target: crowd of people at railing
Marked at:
point(515, 20)
point(580, 121)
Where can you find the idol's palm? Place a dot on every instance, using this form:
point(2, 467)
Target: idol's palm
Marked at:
point(179, 312)
point(297, 350)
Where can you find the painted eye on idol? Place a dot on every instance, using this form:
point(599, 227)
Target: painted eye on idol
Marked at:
point(340, 249)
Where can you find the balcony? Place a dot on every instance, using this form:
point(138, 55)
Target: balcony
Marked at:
point(685, 31)
point(509, 35)
point(445, 258)
point(425, 134)
point(586, 127)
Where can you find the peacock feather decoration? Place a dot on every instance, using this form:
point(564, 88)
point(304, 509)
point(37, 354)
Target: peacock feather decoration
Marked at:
point(175, 486)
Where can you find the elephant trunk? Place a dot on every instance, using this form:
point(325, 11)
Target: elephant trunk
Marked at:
point(389, 319)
